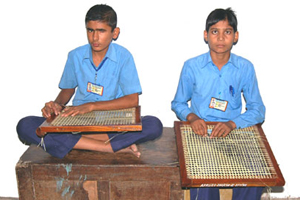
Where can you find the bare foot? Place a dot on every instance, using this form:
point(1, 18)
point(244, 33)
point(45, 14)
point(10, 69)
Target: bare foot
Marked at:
point(131, 149)
point(135, 150)
point(92, 144)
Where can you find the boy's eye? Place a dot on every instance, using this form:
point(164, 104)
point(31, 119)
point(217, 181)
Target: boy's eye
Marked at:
point(214, 32)
point(90, 30)
point(228, 32)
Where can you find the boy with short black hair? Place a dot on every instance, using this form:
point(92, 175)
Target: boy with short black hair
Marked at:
point(213, 83)
point(103, 76)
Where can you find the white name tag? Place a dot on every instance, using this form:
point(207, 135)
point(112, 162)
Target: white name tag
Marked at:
point(94, 88)
point(218, 104)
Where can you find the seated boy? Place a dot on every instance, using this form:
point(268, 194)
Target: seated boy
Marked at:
point(109, 69)
point(213, 83)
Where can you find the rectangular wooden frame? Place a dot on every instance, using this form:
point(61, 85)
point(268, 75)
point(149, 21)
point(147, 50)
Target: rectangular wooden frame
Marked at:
point(46, 126)
point(278, 180)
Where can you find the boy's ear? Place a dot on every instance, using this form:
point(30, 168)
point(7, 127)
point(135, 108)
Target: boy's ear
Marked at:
point(116, 33)
point(236, 38)
point(205, 37)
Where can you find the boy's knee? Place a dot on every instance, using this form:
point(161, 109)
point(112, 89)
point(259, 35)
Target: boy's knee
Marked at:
point(153, 126)
point(27, 126)
point(21, 126)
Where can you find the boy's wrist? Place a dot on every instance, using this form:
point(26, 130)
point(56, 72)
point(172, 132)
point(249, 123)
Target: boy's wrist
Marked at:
point(192, 117)
point(92, 106)
point(232, 125)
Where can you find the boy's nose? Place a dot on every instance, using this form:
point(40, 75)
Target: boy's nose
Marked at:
point(221, 36)
point(95, 36)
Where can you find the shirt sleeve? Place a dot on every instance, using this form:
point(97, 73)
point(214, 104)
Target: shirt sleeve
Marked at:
point(68, 79)
point(183, 94)
point(128, 78)
point(255, 109)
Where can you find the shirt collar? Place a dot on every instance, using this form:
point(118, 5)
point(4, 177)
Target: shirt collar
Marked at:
point(110, 54)
point(232, 60)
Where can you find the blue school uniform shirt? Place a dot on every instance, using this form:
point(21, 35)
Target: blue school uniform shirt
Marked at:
point(200, 80)
point(117, 74)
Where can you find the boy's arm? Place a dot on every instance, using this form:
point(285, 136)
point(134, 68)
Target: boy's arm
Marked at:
point(126, 101)
point(183, 94)
point(56, 106)
point(255, 109)
point(198, 125)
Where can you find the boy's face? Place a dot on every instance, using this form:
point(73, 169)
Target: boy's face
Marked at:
point(100, 35)
point(221, 37)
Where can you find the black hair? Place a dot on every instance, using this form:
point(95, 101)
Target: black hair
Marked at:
point(102, 13)
point(219, 15)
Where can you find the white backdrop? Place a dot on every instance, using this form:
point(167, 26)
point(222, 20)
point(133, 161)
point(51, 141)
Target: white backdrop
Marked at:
point(36, 36)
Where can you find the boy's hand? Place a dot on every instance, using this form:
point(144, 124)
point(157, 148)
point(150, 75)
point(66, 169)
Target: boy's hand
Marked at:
point(198, 125)
point(77, 110)
point(51, 107)
point(222, 129)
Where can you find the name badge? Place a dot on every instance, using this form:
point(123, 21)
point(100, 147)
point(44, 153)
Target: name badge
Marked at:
point(95, 89)
point(218, 104)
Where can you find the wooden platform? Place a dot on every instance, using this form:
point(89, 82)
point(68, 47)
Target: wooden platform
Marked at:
point(93, 175)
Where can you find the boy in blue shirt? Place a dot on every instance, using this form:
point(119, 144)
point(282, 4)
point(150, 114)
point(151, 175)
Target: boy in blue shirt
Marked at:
point(213, 83)
point(103, 76)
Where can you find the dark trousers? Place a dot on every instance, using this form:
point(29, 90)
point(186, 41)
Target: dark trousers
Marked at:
point(59, 145)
